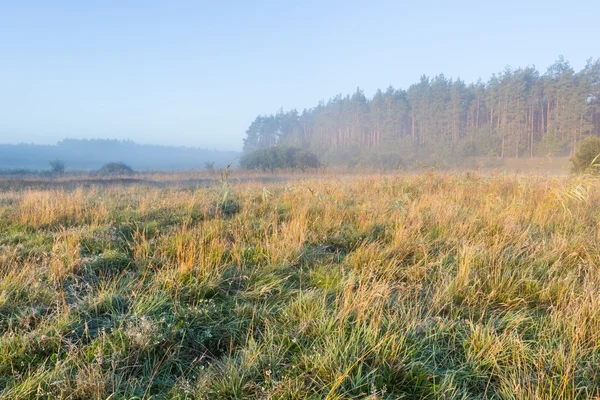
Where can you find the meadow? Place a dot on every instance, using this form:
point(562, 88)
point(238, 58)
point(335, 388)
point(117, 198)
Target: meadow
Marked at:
point(416, 286)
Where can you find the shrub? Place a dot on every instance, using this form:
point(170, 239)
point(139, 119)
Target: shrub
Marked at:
point(280, 157)
point(587, 156)
point(115, 168)
point(553, 145)
point(57, 167)
point(209, 166)
point(383, 160)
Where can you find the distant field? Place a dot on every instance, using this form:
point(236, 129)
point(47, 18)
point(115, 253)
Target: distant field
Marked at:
point(19, 180)
point(420, 286)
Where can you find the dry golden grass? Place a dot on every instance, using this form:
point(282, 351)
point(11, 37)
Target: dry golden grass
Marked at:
point(412, 286)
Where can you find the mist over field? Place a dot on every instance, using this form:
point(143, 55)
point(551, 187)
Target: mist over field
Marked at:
point(93, 154)
point(517, 113)
point(443, 122)
point(299, 200)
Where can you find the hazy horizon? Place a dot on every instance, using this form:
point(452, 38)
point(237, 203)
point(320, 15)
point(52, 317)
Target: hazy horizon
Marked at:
point(111, 139)
point(197, 75)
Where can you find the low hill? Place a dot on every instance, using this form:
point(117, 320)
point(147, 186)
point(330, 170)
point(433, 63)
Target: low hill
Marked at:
point(93, 154)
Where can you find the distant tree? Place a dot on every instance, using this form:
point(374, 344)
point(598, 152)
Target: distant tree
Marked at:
point(209, 166)
point(280, 157)
point(115, 168)
point(57, 167)
point(587, 156)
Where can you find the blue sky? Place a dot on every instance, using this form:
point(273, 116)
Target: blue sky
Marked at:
point(197, 73)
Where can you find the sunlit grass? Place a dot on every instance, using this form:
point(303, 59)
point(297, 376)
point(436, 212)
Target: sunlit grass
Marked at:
point(381, 287)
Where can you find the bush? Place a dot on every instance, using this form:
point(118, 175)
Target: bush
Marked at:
point(209, 166)
point(280, 157)
point(587, 156)
point(383, 160)
point(485, 142)
point(115, 168)
point(553, 145)
point(57, 167)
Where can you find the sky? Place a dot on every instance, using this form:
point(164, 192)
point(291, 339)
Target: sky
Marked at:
point(197, 73)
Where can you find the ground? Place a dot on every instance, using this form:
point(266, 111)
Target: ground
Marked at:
point(420, 286)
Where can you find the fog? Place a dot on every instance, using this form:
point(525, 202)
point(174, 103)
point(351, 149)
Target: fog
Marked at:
point(198, 73)
point(89, 155)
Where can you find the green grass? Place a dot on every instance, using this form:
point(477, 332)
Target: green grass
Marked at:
point(456, 286)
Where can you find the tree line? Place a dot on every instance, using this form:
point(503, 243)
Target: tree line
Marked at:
point(516, 113)
point(94, 153)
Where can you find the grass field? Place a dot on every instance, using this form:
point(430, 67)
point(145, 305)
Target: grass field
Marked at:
point(417, 286)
